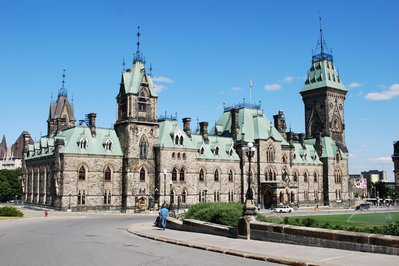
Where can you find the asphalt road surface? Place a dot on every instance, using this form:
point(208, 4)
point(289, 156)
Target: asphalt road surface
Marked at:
point(69, 239)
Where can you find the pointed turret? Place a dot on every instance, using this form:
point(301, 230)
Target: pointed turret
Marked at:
point(323, 95)
point(61, 114)
point(322, 73)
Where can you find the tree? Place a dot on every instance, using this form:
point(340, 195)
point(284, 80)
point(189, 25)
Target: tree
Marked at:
point(382, 189)
point(10, 185)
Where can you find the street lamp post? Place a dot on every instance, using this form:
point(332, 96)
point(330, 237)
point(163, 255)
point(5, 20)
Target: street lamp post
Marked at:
point(249, 208)
point(164, 187)
point(205, 190)
point(69, 202)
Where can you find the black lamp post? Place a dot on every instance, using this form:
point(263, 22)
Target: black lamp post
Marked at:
point(164, 187)
point(249, 208)
point(69, 202)
point(205, 190)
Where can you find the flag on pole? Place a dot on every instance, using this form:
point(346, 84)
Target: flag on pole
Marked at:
point(250, 83)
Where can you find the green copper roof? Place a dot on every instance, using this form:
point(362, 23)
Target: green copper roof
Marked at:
point(169, 129)
point(252, 122)
point(305, 154)
point(330, 148)
point(323, 74)
point(95, 145)
point(134, 77)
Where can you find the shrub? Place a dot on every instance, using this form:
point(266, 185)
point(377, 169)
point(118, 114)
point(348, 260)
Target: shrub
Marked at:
point(219, 213)
point(308, 222)
point(286, 220)
point(10, 211)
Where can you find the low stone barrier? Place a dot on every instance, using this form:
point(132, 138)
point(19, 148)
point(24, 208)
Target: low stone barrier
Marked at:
point(328, 238)
point(191, 225)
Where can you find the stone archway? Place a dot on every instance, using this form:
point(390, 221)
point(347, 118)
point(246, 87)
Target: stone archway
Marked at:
point(268, 198)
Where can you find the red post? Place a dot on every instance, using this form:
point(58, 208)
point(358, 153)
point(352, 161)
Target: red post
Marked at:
point(45, 213)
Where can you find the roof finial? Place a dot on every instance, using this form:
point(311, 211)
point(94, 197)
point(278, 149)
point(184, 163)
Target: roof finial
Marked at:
point(323, 46)
point(138, 56)
point(62, 91)
point(321, 36)
point(150, 70)
point(123, 65)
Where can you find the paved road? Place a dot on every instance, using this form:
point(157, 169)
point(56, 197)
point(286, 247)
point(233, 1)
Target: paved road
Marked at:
point(68, 239)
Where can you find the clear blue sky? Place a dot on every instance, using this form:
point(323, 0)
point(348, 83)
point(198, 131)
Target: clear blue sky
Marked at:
point(203, 54)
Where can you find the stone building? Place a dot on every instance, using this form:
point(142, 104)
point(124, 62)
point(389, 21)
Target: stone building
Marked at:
point(153, 160)
point(11, 157)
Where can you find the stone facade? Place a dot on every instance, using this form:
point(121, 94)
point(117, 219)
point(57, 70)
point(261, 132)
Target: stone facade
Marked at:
point(395, 159)
point(153, 160)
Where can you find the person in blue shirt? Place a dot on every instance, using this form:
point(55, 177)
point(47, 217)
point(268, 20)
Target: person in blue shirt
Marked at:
point(164, 215)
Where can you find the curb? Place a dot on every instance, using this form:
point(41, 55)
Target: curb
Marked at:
point(255, 256)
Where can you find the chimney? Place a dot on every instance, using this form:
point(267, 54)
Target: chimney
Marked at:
point(186, 126)
point(301, 137)
point(92, 123)
point(25, 148)
point(59, 126)
point(234, 123)
point(204, 131)
point(279, 122)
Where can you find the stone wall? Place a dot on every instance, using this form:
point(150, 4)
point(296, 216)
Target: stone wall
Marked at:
point(327, 238)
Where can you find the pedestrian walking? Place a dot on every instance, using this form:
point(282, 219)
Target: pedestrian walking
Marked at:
point(164, 215)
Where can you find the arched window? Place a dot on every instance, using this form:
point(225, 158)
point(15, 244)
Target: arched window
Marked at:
point(107, 174)
point(82, 173)
point(183, 196)
point(202, 150)
point(270, 175)
point(173, 155)
point(143, 148)
point(295, 176)
point(305, 177)
point(182, 174)
point(181, 140)
point(315, 177)
point(174, 174)
point(231, 175)
point(184, 156)
point(142, 174)
point(142, 101)
point(216, 175)
point(337, 158)
point(176, 140)
point(292, 196)
point(281, 198)
point(201, 175)
point(274, 176)
point(172, 196)
point(231, 152)
point(178, 156)
point(284, 159)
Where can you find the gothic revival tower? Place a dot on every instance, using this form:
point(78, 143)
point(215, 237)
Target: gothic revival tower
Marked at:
point(137, 130)
point(324, 96)
point(61, 115)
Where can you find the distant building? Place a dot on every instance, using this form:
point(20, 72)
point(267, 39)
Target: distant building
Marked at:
point(395, 159)
point(11, 158)
point(358, 186)
point(147, 160)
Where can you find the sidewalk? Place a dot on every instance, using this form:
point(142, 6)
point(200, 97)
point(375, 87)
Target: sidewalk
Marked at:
point(261, 250)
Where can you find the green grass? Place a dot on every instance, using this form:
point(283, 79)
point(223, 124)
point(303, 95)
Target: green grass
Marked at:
point(351, 221)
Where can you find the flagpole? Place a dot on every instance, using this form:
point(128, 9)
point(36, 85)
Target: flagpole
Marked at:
point(250, 92)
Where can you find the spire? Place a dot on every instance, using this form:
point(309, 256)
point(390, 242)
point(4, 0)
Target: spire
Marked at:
point(62, 91)
point(321, 47)
point(150, 70)
point(123, 65)
point(138, 56)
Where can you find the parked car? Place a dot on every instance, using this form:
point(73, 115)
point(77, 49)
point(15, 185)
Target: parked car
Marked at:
point(284, 208)
point(362, 206)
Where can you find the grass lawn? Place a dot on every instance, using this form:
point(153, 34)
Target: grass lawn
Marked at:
point(357, 219)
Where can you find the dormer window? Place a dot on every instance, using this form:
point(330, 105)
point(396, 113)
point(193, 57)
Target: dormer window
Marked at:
point(179, 140)
point(231, 152)
point(108, 145)
point(83, 144)
point(217, 151)
point(202, 151)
